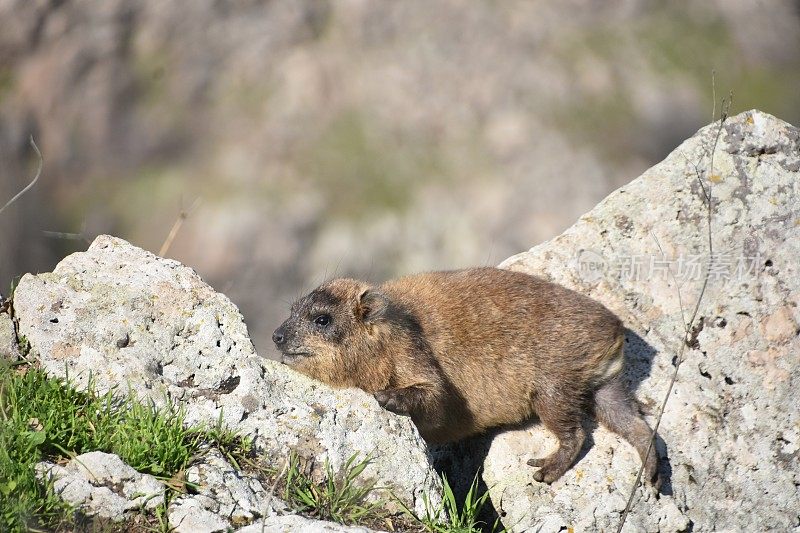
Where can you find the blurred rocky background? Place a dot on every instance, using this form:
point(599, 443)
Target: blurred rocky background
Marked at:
point(319, 138)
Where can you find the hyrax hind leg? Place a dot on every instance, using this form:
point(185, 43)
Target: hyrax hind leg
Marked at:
point(616, 409)
point(563, 417)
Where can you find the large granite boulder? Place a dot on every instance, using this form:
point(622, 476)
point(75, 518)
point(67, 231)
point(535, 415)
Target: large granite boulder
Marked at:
point(731, 430)
point(150, 327)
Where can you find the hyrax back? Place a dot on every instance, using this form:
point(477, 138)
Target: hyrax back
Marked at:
point(464, 351)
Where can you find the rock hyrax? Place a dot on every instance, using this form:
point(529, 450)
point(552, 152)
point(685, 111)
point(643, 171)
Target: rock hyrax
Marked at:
point(464, 351)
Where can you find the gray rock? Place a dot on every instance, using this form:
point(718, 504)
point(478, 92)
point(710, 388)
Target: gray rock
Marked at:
point(152, 327)
point(8, 339)
point(299, 524)
point(101, 484)
point(225, 499)
point(321, 423)
point(222, 490)
point(732, 427)
point(189, 516)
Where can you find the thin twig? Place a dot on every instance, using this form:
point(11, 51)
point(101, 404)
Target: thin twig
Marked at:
point(182, 216)
point(687, 325)
point(272, 490)
point(674, 278)
point(65, 236)
point(35, 178)
point(713, 95)
point(68, 236)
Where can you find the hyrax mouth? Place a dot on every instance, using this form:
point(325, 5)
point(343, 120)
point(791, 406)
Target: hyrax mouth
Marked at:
point(289, 357)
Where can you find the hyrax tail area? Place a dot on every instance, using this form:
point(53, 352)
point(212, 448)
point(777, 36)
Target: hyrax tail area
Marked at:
point(612, 360)
point(616, 409)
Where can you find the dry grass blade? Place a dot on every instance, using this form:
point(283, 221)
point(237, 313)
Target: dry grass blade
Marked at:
point(182, 216)
point(35, 178)
point(726, 103)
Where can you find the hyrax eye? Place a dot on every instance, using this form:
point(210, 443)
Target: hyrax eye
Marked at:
point(322, 320)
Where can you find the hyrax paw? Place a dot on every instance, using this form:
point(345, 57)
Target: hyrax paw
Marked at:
point(545, 476)
point(651, 475)
point(536, 462)
point(391, 400)
point(548, 472)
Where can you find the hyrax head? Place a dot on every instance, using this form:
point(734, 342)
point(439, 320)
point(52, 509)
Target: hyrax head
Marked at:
point(331, 329)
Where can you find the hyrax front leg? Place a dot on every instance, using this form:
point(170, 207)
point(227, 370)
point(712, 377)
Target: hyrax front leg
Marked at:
point(433, 417)
point(402, 401)
point(565, 423)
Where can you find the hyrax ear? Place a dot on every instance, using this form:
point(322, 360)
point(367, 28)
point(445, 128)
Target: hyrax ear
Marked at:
point(371, 305)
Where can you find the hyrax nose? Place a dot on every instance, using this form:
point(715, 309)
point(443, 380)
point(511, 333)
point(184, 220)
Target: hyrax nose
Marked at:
point(279, 337)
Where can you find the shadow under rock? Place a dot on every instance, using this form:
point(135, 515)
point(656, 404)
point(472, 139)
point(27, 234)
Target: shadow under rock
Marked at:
point(461, 462)
point(639, 357)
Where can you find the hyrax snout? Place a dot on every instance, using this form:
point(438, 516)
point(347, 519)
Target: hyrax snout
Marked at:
point(464, 351)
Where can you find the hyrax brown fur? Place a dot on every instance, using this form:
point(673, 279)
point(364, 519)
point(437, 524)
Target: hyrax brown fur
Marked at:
point(464, 351)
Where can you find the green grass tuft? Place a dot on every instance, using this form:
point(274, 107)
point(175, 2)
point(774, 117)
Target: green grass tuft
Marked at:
point(450, 517)
point(234, 447)
point(23, 345)
point(43, 418)
point(342, 500)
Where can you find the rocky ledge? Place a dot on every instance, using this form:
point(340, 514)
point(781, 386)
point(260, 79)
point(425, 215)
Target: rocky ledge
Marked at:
point(150, 327)
point(729, 439)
